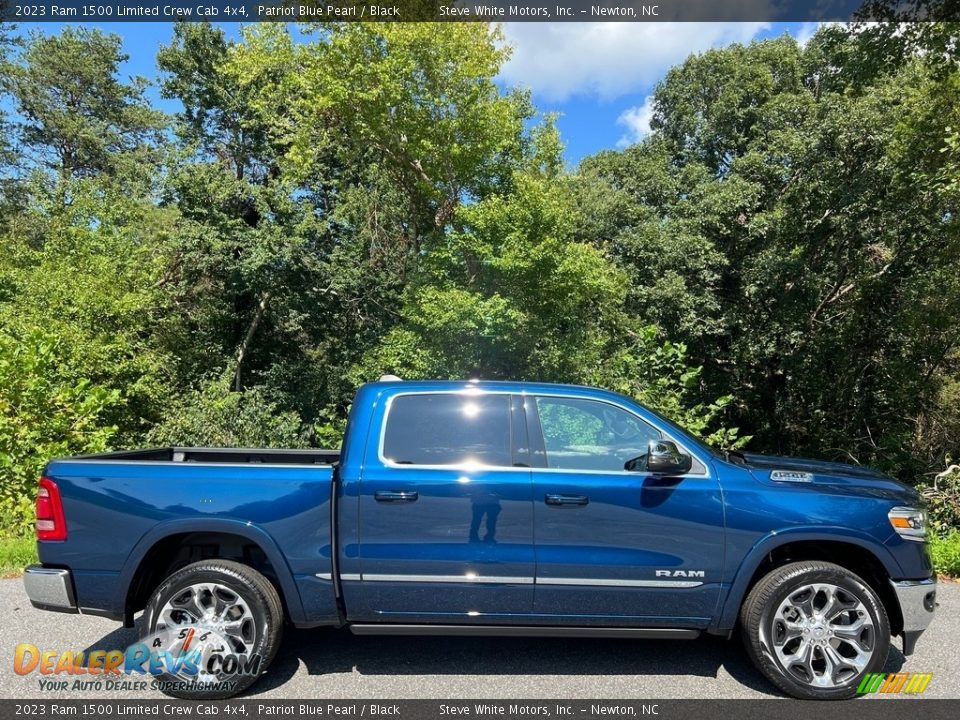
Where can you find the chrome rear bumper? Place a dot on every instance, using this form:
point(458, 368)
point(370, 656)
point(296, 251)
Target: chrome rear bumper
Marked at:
point(50, 588)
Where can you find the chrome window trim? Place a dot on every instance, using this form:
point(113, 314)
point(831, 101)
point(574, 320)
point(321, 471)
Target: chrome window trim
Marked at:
point(468, 467)
point(458, 466)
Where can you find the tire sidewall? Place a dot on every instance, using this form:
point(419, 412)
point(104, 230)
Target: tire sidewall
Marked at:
point(267, 635)
point(849, 582)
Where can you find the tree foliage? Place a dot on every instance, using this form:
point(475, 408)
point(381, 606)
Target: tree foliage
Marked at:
point(792, 219)
point(46, 411)
point(774, 264)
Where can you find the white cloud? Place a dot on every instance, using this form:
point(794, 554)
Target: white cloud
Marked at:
point(637, 122)
point(807, 31)
point(607, 60)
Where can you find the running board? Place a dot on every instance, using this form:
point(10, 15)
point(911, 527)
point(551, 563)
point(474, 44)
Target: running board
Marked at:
point(526, 631)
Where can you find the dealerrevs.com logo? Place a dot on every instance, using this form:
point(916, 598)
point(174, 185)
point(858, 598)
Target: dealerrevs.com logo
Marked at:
point(186, 657)
point(891, 683)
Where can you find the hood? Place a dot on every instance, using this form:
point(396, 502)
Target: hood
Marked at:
point(844, 477)
point(817, 467)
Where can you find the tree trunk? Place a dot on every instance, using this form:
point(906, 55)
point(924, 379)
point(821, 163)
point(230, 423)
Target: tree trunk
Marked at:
point(248, 338)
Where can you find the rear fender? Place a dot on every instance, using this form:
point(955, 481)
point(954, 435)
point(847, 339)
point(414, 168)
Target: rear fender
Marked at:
point(253, 533)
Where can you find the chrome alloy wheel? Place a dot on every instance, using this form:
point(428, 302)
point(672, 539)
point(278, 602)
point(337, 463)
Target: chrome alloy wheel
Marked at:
point(823, 635)
point(221, 618)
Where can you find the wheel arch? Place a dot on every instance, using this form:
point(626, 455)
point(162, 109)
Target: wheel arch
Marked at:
point(858, 553)
point(150, 560)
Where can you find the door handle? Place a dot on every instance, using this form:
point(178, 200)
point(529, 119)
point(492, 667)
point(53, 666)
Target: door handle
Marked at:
point(392, 496)
point(567, 500)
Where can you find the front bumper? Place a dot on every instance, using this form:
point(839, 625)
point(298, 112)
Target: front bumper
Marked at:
point(50, 588)
point(918, 600)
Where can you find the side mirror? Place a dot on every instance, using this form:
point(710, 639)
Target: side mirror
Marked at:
point(663, 458)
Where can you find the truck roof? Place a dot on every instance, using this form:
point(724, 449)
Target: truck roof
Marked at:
point(476, 384)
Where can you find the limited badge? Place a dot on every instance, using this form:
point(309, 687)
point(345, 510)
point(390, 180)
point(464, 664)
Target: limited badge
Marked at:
point(791, 476)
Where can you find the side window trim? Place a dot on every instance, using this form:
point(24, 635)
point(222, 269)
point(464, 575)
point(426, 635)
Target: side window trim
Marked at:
point(538, 445)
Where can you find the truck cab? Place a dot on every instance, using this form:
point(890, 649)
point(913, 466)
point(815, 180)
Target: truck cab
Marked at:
point(516, 500)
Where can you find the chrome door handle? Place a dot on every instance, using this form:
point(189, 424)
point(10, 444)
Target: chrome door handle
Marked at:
point(567, 500)
point(392, 496)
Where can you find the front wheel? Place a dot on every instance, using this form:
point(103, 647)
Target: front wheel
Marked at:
point(815, 629)
point(213, 628)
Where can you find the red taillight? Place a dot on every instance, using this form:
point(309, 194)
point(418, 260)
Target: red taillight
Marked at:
point(51, 524)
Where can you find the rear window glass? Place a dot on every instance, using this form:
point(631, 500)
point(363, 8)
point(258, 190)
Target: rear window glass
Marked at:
point(448, 429)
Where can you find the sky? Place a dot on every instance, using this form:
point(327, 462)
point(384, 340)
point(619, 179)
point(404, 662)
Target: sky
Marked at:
point(598, 76)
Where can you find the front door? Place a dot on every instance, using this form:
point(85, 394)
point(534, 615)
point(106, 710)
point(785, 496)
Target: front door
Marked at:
point(617, 545)
point(446, 526)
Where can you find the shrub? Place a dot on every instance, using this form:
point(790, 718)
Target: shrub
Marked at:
point(45, 412)
point(943, 499)
point(216, 416)
point(945, 550)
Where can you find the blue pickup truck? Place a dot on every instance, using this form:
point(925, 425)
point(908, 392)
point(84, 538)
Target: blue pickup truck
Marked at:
point(493, 508)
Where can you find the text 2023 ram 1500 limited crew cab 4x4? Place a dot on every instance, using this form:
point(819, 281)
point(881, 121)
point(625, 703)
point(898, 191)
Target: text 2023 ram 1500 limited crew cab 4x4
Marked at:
point(507, 508)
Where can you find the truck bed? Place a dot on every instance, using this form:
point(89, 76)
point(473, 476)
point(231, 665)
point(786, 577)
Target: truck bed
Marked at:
point(274, 505)
point(221, 455)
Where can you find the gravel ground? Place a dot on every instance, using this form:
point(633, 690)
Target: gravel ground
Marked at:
point(336, 664)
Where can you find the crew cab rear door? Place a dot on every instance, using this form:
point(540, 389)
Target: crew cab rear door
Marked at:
point(445, 511)
point(612, 543)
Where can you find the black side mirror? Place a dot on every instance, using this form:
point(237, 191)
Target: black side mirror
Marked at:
point(663, 458)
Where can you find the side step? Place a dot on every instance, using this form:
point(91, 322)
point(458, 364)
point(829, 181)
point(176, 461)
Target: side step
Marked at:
point(526, 631)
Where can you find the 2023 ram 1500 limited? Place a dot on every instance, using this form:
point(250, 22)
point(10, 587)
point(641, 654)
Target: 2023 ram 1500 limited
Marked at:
point(477, 508)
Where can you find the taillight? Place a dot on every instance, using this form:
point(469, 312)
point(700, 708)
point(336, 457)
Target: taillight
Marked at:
point(51, 524)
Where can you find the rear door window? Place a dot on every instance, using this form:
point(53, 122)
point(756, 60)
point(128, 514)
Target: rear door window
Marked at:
point(448, 429)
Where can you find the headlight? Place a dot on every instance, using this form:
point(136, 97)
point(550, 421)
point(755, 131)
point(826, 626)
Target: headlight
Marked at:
point(909, 523)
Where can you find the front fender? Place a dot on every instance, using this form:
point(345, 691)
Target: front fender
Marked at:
point(251, 532)
point(727, 617)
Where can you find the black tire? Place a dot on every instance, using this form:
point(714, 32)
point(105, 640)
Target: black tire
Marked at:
point(256, 592)
point(761, 628)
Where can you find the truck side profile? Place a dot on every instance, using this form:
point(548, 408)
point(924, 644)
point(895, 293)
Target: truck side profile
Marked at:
point(495, 508)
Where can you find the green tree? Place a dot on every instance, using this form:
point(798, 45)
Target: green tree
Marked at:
point(790, 220)
point(74, 116)
point(85, 247)
point(511, 294)
point(309, 199)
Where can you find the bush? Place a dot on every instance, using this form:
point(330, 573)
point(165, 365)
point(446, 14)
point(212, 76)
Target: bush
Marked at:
point(943, 499)
point(945, 550)
point(216, 416)
point(45, 412)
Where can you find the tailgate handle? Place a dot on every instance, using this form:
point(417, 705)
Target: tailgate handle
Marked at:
point(392, 496)
point(567, 500)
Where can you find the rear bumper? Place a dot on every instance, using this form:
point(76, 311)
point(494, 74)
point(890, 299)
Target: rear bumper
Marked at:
point(918, 600)
point(50, 588)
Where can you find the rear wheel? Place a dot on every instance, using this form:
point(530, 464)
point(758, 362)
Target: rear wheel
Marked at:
point(219, 622)
point(815, 629)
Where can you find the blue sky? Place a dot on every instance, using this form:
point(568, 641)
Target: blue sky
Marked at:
point(598, 76)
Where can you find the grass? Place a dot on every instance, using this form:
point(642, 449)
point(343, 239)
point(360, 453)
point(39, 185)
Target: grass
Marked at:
point(946, 553)
point(15, 554)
